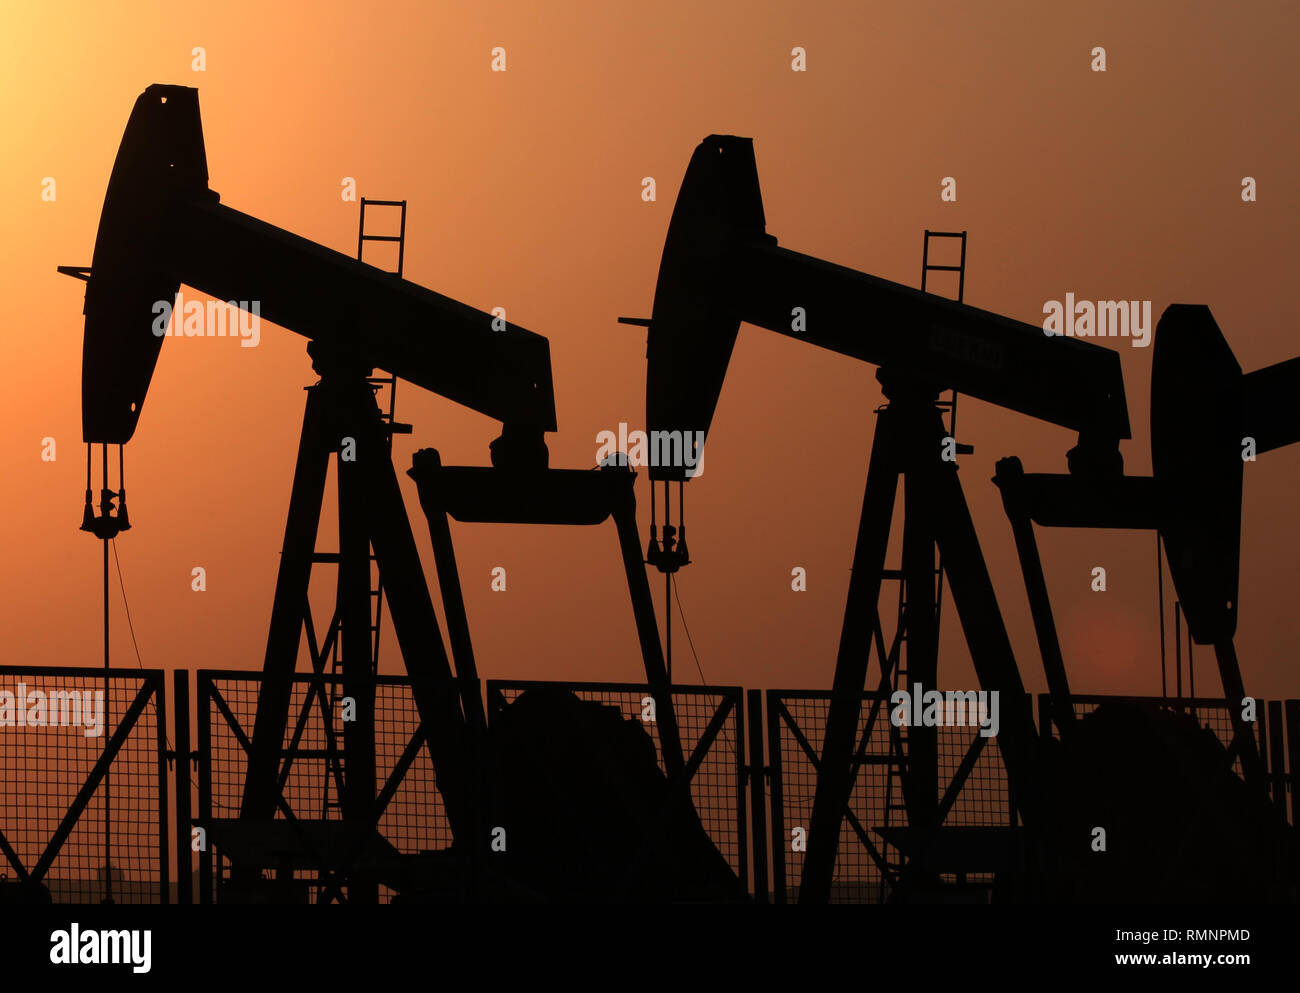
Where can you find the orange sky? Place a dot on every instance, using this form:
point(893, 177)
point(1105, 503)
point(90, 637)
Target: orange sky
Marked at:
point(524, 191)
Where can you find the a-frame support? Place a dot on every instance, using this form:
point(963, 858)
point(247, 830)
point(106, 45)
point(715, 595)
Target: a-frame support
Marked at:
point(909, 445)
point(342, 419)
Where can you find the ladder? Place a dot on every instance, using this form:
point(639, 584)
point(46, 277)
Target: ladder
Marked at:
point(895, 663)
point(948, 404)
point(391, 427)
point(379, 382)
point(400, 240)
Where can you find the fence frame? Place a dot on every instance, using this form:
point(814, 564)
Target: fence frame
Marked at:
point(756, 780)
point(208, 693)
point(777, 714)
point(1279, 749)
point(152, 688)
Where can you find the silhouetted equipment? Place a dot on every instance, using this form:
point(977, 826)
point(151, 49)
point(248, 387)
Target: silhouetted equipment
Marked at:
point(161, 226)
point(478, 494)
point(573, 497)
point(1204, 414)
point(390, 426)
point(1204, 410)
point(1180, 826)
point(721, 268)
point(592, 816)
point(581, 791)
point(913, 757)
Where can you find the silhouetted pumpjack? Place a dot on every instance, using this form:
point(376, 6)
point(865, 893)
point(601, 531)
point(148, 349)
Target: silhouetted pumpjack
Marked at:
point(1206, 416)
point(720, 267)
point(161, 226)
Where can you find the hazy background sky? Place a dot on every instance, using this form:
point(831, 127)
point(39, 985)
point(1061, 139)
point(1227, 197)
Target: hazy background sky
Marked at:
point(524, 192)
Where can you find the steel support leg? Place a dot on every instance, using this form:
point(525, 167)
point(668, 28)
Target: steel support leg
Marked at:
point(835, 778)
point(289, 607)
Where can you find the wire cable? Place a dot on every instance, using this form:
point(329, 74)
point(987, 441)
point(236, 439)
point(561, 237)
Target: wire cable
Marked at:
point(121, 583)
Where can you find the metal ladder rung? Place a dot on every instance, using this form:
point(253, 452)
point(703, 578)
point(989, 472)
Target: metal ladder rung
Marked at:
point(927, 267)
point(399, 239)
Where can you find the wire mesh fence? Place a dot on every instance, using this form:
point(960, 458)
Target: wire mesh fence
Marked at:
point(865, 865)
point(83, 783)
point(414, 819)
point(796, 729)
point(87, 836)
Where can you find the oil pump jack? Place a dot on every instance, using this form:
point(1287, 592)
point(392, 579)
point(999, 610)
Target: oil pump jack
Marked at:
point(720, 268)
point(161, 227)
point(1207, 419)
point(1204, 411)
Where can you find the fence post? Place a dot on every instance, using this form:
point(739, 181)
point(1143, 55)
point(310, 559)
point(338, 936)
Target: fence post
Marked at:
point(778, 801)
point(184, 861)
point(1277, 759)
point(479, 847)
point(1260, 730)
point(203, 697)
point(1293, 745)
point(757, 796)
point(159, 682)
point(740, 760)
